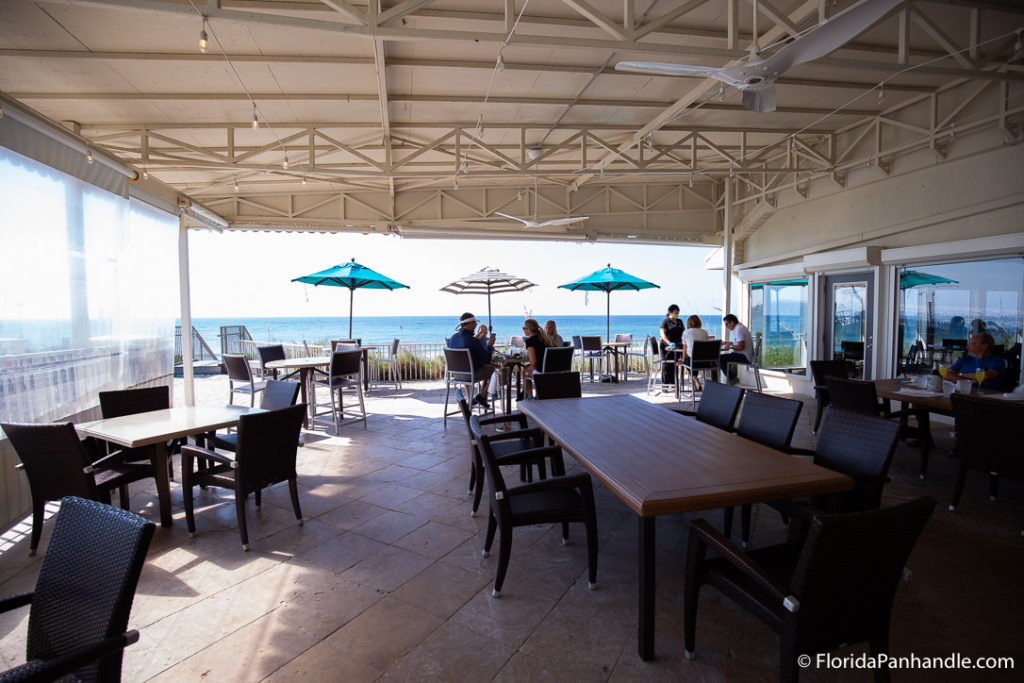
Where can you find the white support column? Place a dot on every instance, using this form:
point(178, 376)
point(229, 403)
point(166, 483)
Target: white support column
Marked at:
point(727, 254)
point(186, 314)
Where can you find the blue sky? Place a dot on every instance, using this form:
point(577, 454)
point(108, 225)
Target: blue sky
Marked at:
point(249, 274)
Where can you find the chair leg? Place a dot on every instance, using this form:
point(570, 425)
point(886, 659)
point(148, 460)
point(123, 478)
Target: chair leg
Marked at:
point(789, 671)
point(122, 497)
point(565, 533)
point(727, 521)
point(745, 515)
point(691, 594)
point(243, 530)
point(293, 490)
point(362, 405)
point(817, 417)
point(447, 391)
point(476, 484)
point(492, 526)
point(504, 553)
point(590, 524)
point(257, 496)
point(186, 494)
point(38, 510)
point(958, 488)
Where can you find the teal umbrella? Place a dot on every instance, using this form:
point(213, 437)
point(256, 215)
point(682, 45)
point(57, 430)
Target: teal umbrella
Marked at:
point(608, 280)
point(351, 275)
point(916, 278)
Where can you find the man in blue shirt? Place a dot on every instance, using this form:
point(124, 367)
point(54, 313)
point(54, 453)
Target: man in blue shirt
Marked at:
point(479, 352)
point(979, 357)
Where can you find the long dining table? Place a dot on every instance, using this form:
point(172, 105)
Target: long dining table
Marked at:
point(622, 441)
point(157, 427)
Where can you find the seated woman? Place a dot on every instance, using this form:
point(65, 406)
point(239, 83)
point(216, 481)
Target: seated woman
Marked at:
point(551, 330)
point(536, 341)
point(693, 333)
point(481, 332)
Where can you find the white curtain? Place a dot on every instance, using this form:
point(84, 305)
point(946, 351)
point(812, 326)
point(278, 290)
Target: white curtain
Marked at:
point(88, 292)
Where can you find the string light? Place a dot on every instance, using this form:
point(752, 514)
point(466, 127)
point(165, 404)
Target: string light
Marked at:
point(202, 37)
point(236, 184)
point(145, 173)
point(284, 164)
point(88, 156)
point(303, 178)
point(255, 120)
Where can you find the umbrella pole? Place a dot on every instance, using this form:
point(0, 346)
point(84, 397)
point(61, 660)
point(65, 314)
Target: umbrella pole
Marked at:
point(490, 325)
point(351, 294)
point(608, 316)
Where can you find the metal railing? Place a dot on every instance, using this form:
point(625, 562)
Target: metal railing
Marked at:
point(200, 349)
point(231, 338)
point(415, 361)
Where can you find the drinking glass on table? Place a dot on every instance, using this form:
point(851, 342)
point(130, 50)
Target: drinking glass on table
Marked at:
point(979, 376)
point(943, 372)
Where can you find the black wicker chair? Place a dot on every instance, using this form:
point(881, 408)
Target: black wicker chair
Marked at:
point(719, 404)
point(768, 420)
point(123, 402)
point(820, 370)
point(560, 499)
point(504, 444)
point(860, 396)
point(276, 395)
point(832, 583)
point(345, 372)
point(857, 445)
point(240, 380)
point(557, 385)
point(989, 435)
point(267, 444)
point(78, 614)
point(268, 354)
point(59, 464)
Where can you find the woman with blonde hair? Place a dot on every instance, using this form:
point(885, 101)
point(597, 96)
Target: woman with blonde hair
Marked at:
point(551, 330)
point(536, 341)
point(692, 333)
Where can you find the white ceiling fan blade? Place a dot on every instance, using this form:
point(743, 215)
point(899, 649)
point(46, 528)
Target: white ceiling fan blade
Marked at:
point(562, 221)
point(525, 222)
point(662, 69)
point(830, 35)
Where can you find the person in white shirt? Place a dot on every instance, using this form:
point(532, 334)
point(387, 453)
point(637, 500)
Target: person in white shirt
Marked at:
point(740, 348)
point(693, 333)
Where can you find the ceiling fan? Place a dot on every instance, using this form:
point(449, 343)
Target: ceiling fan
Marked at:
point(542, 224)
point(755, 78)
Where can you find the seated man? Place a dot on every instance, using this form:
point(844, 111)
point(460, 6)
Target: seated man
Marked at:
point(979, 357)
point(480, 351)
point(740, 349)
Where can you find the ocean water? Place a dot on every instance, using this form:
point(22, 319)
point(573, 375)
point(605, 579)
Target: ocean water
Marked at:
point(425, 329)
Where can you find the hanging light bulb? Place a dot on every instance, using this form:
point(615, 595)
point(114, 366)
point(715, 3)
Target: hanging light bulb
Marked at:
point(88, 156)
point(455, 185)
point(202, 37)
point(145, 174)
point(691, 180)
point(255, 121)
point(501, 63)
point(236, 184)
point(284, 164)
point(303, 178)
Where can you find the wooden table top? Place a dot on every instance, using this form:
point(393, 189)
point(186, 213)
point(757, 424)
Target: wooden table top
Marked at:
point(660, 462)
point(901, 390)
point(155, 426)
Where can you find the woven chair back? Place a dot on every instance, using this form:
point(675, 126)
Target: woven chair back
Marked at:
point(267, 445)
point(591, 343)
point(279, 394)
point(769, 420)
point(854, 443)
point(557, 385)
point(269, 353)
point(557, 359)
point(989, 434)
point(346, 363)
point(54, 458)
point(850, 567)
point(459, 364)
point(719, 404)
point(822, 369)
point(237, 367)
point(857, 395)
point(132, 401)
point(87, 583)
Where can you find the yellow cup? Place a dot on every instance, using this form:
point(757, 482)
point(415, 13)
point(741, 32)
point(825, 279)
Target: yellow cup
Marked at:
point(979, 376)
point(942, 372)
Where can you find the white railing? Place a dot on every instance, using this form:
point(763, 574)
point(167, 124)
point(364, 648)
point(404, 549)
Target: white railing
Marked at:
point(415, 361)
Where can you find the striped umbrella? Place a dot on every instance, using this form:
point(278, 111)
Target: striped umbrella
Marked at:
point(488, 281)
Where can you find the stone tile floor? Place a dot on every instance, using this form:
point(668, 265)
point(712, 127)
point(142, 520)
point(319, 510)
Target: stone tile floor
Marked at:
point(386, 580)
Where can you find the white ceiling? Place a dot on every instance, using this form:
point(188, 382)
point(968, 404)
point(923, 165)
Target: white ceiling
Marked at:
point(383, 111)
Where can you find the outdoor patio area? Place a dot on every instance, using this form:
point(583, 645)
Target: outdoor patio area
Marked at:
point(385, 579)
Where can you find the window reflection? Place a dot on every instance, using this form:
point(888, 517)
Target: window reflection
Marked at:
point(778, 312)
point(942, 305)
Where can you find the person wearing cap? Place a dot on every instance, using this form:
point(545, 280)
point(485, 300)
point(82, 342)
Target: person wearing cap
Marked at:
point(480, 351)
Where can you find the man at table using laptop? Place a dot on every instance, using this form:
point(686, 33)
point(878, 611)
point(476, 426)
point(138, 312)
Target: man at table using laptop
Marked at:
point(979, 358)
point(740, 348)
point(480, 351)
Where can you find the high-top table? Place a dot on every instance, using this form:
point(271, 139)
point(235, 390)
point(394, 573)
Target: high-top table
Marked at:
point(305, 365)
point(621, 440)
point(157, 427)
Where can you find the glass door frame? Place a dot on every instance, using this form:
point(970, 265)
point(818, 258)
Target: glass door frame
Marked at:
point(869, 277)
